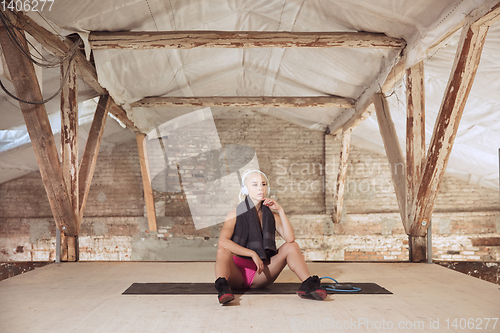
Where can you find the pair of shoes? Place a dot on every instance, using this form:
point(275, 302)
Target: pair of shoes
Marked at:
point(225, 293)
point(311, 289)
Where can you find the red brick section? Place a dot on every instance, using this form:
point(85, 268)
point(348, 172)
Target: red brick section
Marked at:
point(358, 255)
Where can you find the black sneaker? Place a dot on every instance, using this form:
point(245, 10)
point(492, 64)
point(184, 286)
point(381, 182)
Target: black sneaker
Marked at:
point(225, 293)
point(311, 289)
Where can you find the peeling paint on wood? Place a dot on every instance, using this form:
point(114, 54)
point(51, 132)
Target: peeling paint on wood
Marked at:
point(338, 200)
point(69, 135)
point(445, 130)
point(241, 101)
point(139, 40)
point(37, 122)
point(415, 135)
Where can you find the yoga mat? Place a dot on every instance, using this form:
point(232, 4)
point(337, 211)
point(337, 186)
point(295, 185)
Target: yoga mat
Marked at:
point(208, 288)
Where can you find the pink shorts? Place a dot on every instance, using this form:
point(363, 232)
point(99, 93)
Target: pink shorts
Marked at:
point(247, 268)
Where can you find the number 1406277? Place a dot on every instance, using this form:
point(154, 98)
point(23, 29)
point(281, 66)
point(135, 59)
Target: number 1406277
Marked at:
point(26, 5)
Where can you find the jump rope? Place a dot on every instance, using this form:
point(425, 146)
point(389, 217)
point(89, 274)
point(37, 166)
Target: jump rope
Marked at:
point(345, 288)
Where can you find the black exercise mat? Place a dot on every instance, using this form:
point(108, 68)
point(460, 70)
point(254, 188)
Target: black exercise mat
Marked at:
point(208, 288)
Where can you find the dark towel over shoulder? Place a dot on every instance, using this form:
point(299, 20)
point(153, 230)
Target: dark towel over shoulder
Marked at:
point(247, 231)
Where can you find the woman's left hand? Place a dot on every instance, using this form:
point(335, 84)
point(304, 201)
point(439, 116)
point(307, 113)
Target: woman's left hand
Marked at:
point(271, 203)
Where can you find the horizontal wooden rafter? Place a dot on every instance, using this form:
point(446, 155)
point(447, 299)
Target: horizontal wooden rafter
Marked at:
point(241, 101)
point(140, 40)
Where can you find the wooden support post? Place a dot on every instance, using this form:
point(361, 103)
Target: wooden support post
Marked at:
point(445, 130)
point(418, 248)
point(61, 48)
point(146, 181)
point(338, 198)
point(415, 136)
point(40, 132)
point(446, 127)
point(89, 159)
point(392, 150)
point(64, 247)
point(69, 148)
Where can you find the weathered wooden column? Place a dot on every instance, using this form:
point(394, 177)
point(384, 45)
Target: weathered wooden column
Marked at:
point(37, 122)
point(445, 130)
point(146, 181)
point(415, 151)
point(393, 150)
point(338, 197)
point(69, 152)
point(89, 158)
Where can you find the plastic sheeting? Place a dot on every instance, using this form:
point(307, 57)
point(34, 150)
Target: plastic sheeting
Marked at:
point(131, 75)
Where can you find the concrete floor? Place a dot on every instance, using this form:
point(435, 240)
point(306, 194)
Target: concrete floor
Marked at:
point(86, 297)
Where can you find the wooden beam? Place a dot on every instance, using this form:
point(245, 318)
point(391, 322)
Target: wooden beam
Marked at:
point(146, 181)
point(69, 134)
point(418, 246)
point(239, 101)
point(415, 135)
point(459, 85)
point(338, 197)
point(89, 158)
point(141, 40)
point(61, 48)
point(363, 108)
point(37, 122)
point(69, 151)
point(393, 151)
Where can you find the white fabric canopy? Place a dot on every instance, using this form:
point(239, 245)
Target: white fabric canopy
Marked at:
point(130, 75)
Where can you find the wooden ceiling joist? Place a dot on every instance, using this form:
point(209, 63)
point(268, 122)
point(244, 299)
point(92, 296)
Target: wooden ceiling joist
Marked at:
point(241, 101)
point(141, 40)
point(37, 122)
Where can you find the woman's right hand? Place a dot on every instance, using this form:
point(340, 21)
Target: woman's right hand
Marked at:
point(258, 262)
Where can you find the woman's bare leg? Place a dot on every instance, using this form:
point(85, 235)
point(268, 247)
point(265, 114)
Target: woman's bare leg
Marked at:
point(288, 253)
point(225, 267)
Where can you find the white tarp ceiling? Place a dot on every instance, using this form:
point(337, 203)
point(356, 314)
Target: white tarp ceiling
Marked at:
point(131, 75)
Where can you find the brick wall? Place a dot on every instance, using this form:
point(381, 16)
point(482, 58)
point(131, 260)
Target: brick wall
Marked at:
point(302, 168)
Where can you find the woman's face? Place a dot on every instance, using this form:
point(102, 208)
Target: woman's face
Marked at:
point(257, 186)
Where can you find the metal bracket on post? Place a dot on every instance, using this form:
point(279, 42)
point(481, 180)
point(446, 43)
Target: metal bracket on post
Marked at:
point(58, 245)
